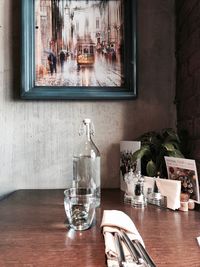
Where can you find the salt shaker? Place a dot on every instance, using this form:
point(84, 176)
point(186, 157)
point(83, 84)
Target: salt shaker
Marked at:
point(129, 179)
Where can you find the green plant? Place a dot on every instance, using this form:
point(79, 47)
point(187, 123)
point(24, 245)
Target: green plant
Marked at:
point(154, 147)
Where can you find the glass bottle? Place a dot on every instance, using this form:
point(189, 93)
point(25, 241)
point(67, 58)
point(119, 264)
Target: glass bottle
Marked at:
point(86, 163)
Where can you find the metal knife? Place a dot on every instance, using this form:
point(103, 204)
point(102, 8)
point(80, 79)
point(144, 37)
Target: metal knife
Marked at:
point(120, 251)
point(144, 253)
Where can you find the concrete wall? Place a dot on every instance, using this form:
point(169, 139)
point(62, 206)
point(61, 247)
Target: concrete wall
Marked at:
point(37, 138)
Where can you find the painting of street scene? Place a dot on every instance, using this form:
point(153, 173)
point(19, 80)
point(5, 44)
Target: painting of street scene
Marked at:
point(79, 43)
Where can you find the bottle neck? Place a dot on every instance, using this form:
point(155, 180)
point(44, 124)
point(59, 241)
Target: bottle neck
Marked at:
point(87, 145)
point(88, 134)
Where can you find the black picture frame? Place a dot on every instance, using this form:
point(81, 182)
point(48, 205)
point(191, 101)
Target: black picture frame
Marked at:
point(30, 91)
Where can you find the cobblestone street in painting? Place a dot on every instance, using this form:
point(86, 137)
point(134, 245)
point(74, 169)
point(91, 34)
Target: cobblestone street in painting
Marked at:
point(103, 73)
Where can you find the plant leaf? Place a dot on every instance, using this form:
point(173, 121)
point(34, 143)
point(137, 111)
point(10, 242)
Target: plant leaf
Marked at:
point(175, 153)
point(170, 135)
point(143, 151)
point(169, 146)
point(151, 168)
point(149, 138)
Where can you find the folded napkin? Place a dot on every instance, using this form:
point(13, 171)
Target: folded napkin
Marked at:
point(172, 190)
point(113, 221)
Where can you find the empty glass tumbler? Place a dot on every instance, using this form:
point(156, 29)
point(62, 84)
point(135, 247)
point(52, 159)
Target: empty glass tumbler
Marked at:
point(80, 206)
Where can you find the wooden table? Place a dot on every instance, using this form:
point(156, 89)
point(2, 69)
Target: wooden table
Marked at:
point(32, 232)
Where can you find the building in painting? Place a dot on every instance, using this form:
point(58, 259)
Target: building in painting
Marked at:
point(60, 24)
point(101, 20)
point(43, 33)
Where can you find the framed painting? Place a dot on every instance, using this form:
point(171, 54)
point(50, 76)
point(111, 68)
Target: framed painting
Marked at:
point(78, 49)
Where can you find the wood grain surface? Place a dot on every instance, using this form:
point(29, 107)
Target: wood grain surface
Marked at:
point(33, 232)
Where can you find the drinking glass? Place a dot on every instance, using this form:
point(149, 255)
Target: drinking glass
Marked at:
point(79, 206)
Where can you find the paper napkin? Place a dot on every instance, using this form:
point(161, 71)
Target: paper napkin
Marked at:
point(168, 188)
point(172, 190)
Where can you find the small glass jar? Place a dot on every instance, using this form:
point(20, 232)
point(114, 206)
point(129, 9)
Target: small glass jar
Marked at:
point(156, 198)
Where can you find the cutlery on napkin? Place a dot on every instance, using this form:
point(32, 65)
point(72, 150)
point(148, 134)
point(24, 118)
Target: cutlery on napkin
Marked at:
point(114, 221)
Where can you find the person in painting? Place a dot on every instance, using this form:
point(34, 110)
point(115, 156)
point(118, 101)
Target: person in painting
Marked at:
point(52, 63)
point(113, 53)
point(50, 60)
point(62, 60)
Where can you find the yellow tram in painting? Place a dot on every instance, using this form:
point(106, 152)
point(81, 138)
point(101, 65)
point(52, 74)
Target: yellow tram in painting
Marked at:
point(85, 52)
